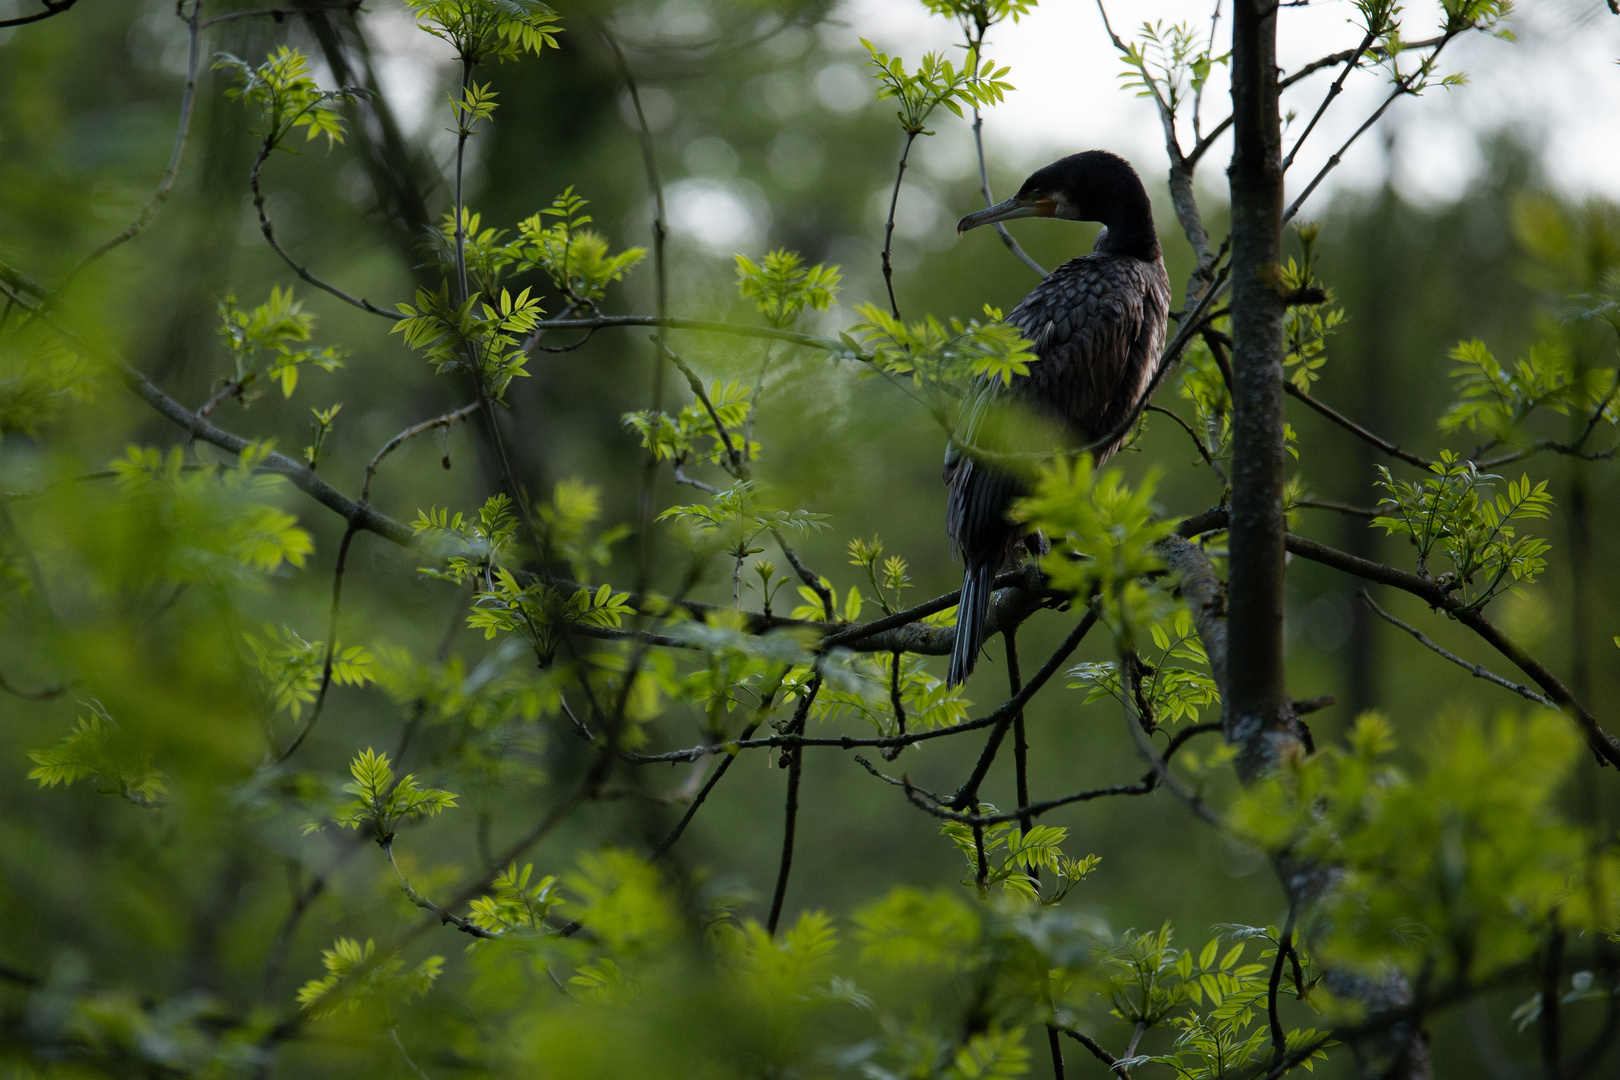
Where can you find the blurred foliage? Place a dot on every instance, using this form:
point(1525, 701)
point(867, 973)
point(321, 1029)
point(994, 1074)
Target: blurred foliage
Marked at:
point(594, 582)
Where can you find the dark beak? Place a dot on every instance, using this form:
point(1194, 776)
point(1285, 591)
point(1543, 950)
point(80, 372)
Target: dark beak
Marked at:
point(1006, 211)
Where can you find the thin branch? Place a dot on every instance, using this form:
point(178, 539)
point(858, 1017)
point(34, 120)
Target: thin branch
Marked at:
point(1020, 743)
point(1285, 945)
point(1403, 86)
point(1478, 671)
point(888, 227)
point(278, 14)
point(52, 7)
point(45, 694)
point(975, 47)
point(968, 793)
point(739, 468)
point(268, 229)
point(1145, 786)
point(807, 575)
point(176, 153)
point(791, 813)
point(1604, 745)
point(1096, 1048)
point(1350, 64)
point(410, 433)
point(331, 645)
point(1334, 59)
point(1004, 711)
point(1202, 449)
point(1338, 507)
point(1144, 745)
point(1356, 429)
point(765, 706)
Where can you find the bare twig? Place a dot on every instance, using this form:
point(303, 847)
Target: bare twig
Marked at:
point(888, 226)
point(52, 7)
point(269, 230)
point(331, 645)
point(410, 433)
point(1356, 429)
point(791, 814)
point(1402, 87)
point(975, 43)
point(278, 14)
point(1279, 1038)
point(176, 153)
point(1478, 671)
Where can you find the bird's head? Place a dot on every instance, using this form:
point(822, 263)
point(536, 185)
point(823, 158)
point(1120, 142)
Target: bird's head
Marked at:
point(1091, 186)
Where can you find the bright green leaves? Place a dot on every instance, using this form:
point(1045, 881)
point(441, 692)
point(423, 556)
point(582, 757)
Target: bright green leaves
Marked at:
point(490, 30)
point(475, 103)
point(555, 241)
point(482, 337)
point(381, 804)
point(863, 686)
point(1496, 400)
point(887, 582)
point(981, 13)
point(354, 977)
point(1010, 854)
point(1453, 509)
point(936, 82)
point(934, 354)
point(39, 375)
point(782, 287)
point(270, 340)
point(516, 906)
point(292, 667)
point(991, 1055)
point(911, 928)
point(315, 452)
point(1167, 62)
point(1218, 1005)
point(1110, 526)
point(476, 542)
point(477, 549)
point(216, 526)
point(790, 976)
point(1311, 316)
point(1171, 693)
point(739, 515)
point(290, 98)
point(1473, 849)
point(575, 258)
point(97, 750)
point(567, 523)
point(691, 434)
point(622, 898)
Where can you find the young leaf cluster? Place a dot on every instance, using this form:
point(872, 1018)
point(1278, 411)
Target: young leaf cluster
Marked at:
point(1452, 509)
point(381, 804)
point(936, 82)
point(289, 96)
point(94, 750)
point(356, 977)
point(270, 340)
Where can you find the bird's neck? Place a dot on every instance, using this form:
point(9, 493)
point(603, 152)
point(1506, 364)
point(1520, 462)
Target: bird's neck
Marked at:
point(1130, 227)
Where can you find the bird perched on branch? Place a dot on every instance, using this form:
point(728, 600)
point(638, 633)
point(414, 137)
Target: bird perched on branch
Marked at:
point(1097, 325)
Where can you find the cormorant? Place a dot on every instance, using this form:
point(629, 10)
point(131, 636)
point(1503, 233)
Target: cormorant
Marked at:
point(1097, 324)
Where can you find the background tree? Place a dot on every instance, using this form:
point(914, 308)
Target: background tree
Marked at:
point(546, 703)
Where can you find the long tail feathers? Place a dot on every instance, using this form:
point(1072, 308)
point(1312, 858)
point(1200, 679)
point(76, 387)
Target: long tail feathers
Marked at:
point(977, 584)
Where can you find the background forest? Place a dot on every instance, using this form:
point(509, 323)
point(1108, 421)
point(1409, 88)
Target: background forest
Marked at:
point(173, 857)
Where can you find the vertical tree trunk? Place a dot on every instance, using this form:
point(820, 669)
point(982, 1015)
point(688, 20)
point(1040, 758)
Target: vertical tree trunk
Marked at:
point(1257, 711)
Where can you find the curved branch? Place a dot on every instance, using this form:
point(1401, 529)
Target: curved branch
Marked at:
point(176, 153)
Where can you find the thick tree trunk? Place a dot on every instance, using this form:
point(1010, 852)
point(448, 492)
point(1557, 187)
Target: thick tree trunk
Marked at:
point(1257, 711)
